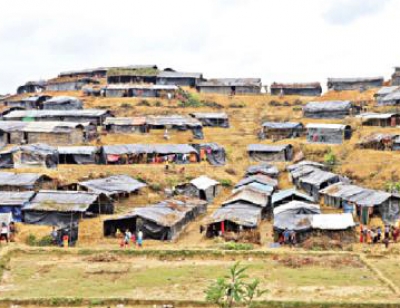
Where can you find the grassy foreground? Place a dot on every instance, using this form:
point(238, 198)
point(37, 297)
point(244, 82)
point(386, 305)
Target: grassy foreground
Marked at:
point(98, 277)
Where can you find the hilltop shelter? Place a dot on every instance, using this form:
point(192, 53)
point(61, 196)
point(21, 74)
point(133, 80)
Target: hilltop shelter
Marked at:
point(94, 116)
point(31, 102)
point(64, 208)
point(380, 142)
point(263, 169)
point(360, 84)
point(330, 110)
point(234, 217)
point(115, 186)
point(380, 119)
point(285, 196)
point(328, 133)
point(24, 181)
point(54, 133)
point(392, 99)
point(396, 77)
point(99, 72)
point(212, 119)
point(301, 89)
point(214, 153)
point(230, 86)
point(65, 84)
point(62, 103)
point(149, 153)
point(268, 153)
point(125, 125)
point(79, 155)
point(182, 79)
point(176, 122)
point(13, 202)
point(136, 74)
point(162, 221)
point(32, 87)
point(282, 130)
point(202, 187)
point(141, 90)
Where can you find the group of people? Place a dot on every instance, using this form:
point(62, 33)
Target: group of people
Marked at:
point(7, 232)
point(288, 237)
point(129, 237)
point(377, 235)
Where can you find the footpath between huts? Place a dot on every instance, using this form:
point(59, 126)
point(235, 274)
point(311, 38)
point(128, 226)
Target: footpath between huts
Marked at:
point(7, 253)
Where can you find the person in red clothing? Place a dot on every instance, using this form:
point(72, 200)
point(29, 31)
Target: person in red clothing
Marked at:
point(361, 234)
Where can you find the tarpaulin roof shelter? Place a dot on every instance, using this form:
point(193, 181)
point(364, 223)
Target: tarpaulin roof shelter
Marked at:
point(239, 213)
point(328, 133)
point(163, 221)
point(265, 152)
point(329, 109)
point(81, 155)
point(281, 125)
point(37, 154)
point(202, 187)
point(292, 194)
point(173, 74)
point(249, 197)
point(173, 120)
point(378, 141)
point(298, 207)
point(317, 177)
point(149, 149)
point(113, 185)
point(13, 202)
point(63, 103)
point(215, 153)
point(305, 163)
point(134, 121)
point(20, 179)
point(213, 119)
point(257, 187)
point(390, 99)
point(84, 150)
point(357, 83)
point(229, 82)
point(266, 169)
point(56, 113)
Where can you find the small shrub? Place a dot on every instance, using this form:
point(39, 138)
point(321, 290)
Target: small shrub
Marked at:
point(31, 240)
point(226, 182)
point(297, 102)
point(158, 104)
point(230, 171)
point(156, 187)
point(144, 102)
point(45, 241)
point(275, 103)
point(126, 106)
point(238, 246)
point(330, 158)
point(297, 108)
point(237, 105)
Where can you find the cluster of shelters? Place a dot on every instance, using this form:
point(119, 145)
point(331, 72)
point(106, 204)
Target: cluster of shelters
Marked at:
point(381, 142)
point(301, 89)
point(162, 221)
point(268, 153)
point(28, 198)
point(281, 130)
point(330, 109)
point(248, 204)
point(362, 201)
point(311, 177)
point(361, 84)
point(32, 87)
point(140, 90)
point(46, 102)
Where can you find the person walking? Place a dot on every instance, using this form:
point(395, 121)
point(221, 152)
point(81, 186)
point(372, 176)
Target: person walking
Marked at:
point(387, 232)
point(127, 238)
point(4, 232)
point(140, 238)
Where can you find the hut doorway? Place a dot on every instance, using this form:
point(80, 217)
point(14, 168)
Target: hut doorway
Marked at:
point(233, 90)
point(202, 195)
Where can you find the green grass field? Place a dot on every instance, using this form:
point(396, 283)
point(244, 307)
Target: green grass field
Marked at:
point(288, 277)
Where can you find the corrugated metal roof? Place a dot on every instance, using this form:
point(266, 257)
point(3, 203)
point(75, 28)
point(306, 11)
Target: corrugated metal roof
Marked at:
point(204, 182)
point(209, 115)
point(267, 148)
point(283, 194)
point(113, 185)
point(19, 179)
point(241, 214)
point(249, 196)
point(327, 106)
point(56, 113)
point(298, 207)
point(282, 125)
point(83, 150)
point(355, 79)
point(231, 82)
point(12, 198)
point(148, 149)
point(61, 201)
point(339, 127)
point(258, 178)
point(125, 121)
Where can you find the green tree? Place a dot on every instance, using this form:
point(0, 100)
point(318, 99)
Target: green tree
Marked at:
point(234, 289)
point(330, 158)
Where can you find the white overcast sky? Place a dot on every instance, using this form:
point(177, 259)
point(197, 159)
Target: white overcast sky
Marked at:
point(277, 40)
